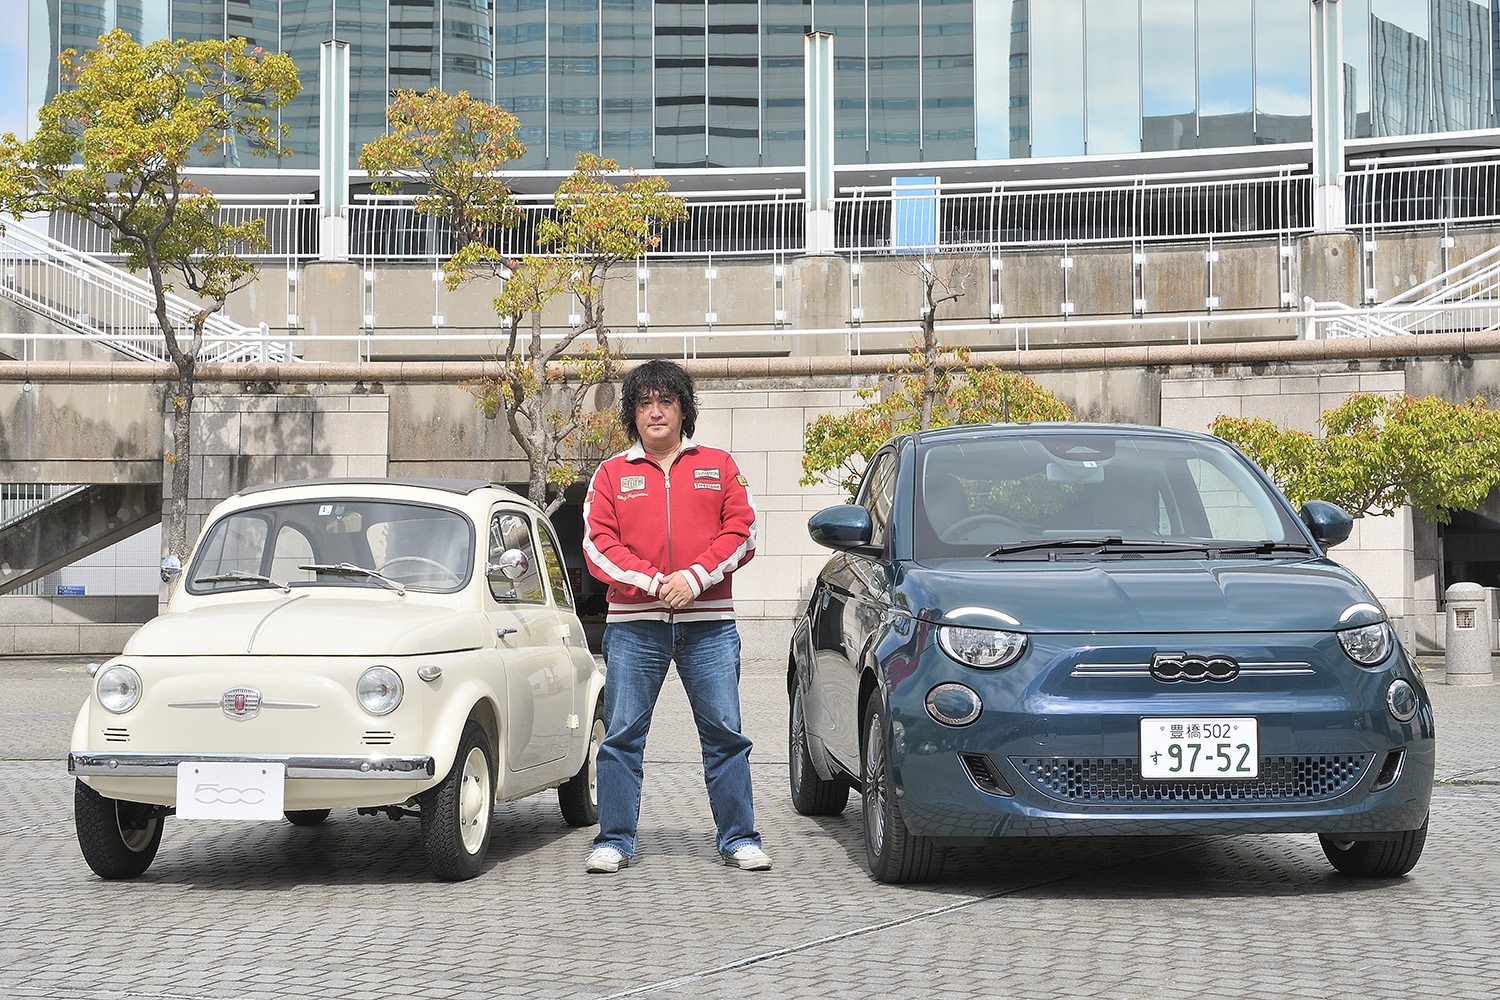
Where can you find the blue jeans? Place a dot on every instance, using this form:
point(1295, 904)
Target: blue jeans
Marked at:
point(708, 662)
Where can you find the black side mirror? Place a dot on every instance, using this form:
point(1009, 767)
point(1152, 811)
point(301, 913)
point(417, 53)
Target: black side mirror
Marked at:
point(846, 526)
point(1329, 523)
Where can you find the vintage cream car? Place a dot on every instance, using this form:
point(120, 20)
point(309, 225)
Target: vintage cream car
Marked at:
point(407, 647)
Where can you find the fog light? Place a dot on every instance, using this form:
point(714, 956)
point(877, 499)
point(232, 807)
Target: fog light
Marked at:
point(953, 704)
point(1401, 698)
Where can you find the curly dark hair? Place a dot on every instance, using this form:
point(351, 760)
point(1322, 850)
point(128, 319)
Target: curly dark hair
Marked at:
point(666, 379)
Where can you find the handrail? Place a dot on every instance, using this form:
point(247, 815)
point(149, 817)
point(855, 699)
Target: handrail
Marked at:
point(90, 297)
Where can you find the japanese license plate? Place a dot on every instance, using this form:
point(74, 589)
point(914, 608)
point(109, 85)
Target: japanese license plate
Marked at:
point(1200, 748)
point(230, 790)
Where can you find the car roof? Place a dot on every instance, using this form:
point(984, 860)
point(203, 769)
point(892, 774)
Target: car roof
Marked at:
point(1053, 427)
point(460, 486)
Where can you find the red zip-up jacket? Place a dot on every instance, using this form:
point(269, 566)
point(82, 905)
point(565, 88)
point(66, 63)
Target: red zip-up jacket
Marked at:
point(640, 526)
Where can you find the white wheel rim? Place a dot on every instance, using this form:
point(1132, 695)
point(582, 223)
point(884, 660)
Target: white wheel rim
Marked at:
point(596, 737)
point(135, 841)
point(474, 801)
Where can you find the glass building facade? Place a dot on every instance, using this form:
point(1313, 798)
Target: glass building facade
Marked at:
point(659, 84)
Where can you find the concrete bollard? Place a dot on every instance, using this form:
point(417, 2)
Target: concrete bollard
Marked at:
point(1466, 656)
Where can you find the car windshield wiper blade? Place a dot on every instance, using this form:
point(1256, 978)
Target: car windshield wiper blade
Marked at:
point(1056, 543)
point(349, 569)
point(240, 576)
point(1258, 548)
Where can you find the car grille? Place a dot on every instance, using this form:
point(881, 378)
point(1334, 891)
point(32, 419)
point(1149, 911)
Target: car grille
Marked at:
point(1118, 780)
point(117, 735)
point(379, 737)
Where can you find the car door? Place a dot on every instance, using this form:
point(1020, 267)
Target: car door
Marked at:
point(535, 641)
point(848, 606)
point(580, 658)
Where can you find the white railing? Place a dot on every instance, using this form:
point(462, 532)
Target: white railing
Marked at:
point(107, 305)
point(291, 226)
point(1428, 190)
point(1466, 297)
point(1207, 205)
point(752, 223)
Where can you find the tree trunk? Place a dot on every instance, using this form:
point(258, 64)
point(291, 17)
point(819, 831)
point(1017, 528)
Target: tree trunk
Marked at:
point(182, 448)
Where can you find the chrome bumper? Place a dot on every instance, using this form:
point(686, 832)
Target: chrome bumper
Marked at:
point(164, 765)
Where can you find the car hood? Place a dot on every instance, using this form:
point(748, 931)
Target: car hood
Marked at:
point(1138, 595)
point(308, 625)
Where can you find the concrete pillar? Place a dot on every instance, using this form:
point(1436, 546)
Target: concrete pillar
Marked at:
point(1466, 657)
point(333, 150)
point(1328, 116)
point(818, 102)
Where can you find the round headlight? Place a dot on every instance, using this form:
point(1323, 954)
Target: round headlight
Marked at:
point(1368, 645)
point(119, 688)
point(985, 648)
point(1401, 699)
point(954, 704)
point(379, 690)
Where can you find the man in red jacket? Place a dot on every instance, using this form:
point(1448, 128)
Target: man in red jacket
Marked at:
point(666, 524)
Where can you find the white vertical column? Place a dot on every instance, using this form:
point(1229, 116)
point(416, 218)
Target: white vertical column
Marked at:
point(333, 150)
point(818, 102)
point(1328, 115)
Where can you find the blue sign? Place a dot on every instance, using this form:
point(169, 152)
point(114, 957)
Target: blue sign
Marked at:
point(70, 590)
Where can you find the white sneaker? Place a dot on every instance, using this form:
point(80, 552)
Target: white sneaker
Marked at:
point(605, 859)
point(750, 858)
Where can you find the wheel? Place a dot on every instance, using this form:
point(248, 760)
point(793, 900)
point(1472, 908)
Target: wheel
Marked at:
point(1391, 857)
point(894, 853)
point(811, 795)
point(421, 561)
point(118, 839)
point(961, 530)
point(306, 817)
point(579, 795)
point(456, 812)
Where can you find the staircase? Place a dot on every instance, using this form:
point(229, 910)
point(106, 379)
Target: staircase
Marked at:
point(72, 525)
point(112, 307)
point(1464, 298)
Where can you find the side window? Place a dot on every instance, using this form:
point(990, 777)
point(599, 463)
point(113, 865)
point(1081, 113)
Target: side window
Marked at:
point(292, 550)
point(513, 577)
point(557, 573)
point(1232, 512)
point(879, 495)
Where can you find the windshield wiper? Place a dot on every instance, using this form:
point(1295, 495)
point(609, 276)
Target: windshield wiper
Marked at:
point(1258, 548)
point(240, 576)
point(1099, 546)
point(349, 569)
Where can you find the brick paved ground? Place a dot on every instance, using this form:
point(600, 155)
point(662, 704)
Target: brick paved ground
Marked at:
point(347, 910)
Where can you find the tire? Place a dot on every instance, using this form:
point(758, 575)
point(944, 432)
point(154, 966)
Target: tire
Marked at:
point(306, 817)
point(119, 839)
point(456, 813)
point(811, 795)
point(894, 853)
point(1391, 857)
point(578, 797)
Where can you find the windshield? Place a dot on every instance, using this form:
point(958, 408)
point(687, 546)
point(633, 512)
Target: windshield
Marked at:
point(1089, 491)
point(345, 543)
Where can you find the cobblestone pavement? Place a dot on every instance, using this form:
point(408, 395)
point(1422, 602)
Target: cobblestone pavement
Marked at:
point(347, 910)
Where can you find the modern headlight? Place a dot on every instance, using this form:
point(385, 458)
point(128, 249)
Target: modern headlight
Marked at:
point(119, 688)
point(985, 648)
point(379, 690)
point(1368, 645)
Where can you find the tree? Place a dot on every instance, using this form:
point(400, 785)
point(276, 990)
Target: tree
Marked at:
point(112, 148)
point(456, 147)
point(836, 447)
point(1378, 453)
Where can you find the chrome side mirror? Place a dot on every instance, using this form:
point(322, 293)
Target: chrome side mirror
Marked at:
point(512, 565)
point(171, 569)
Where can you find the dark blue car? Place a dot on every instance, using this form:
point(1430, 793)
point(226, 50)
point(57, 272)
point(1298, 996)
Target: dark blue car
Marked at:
point(1071, 629)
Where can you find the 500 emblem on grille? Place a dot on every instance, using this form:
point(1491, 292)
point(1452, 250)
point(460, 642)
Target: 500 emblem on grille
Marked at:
point(1193, 669)
point(240, 703)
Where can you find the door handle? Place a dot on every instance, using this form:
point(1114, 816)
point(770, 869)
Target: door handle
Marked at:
point(501, 633)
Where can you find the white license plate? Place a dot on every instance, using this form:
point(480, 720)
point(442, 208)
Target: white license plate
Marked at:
point(1200, 748)
point(230, 790)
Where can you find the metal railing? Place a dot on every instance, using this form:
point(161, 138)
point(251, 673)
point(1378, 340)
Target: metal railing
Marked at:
point(291, 227)
point(110, 306)
point(1150, 208)
point(1398, 192)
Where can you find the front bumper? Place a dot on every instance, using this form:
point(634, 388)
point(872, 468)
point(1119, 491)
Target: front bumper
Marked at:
point(417, 767)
